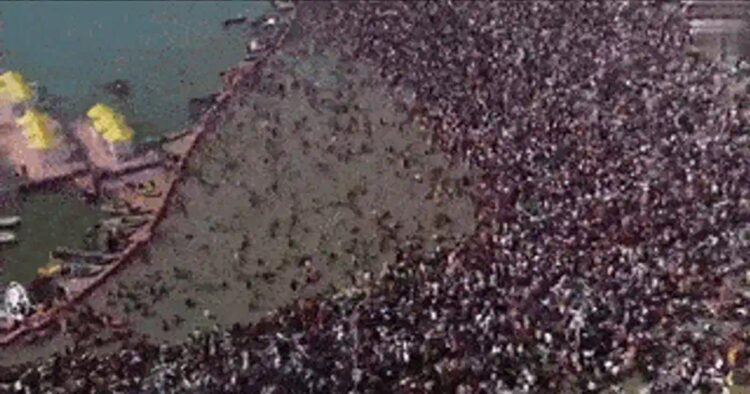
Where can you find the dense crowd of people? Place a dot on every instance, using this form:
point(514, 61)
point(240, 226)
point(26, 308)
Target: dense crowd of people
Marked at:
point(613, 206)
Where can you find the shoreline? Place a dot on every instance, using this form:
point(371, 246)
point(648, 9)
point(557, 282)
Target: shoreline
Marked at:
point(234, 79)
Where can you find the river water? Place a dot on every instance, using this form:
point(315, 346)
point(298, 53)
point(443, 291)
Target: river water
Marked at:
point(166, 53)
point(49, 220)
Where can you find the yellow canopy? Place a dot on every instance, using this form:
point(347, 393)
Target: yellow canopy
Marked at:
point(109, 124)
point(13, 86)
point(37, 130)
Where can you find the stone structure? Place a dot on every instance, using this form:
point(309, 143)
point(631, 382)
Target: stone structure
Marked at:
point(720, 28)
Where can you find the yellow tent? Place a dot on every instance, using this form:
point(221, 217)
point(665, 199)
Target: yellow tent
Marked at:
point(13, 86)
point(109, 124)
point(36, 129)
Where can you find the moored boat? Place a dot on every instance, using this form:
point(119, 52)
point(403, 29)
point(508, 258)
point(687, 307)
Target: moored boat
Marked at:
point(79, 270)
point(97, 258)
point(7, 237)
point(9, 221)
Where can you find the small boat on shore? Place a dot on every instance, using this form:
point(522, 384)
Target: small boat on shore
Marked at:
point(97, 258)
point(9, 221)
point(7, 237)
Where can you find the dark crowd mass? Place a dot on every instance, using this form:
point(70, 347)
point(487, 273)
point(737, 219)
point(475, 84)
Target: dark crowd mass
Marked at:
point(613, 208)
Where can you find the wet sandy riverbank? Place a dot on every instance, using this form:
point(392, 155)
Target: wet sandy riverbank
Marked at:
point(316, 178)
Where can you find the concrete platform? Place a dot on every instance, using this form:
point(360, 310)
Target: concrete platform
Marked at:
point(108, 160)
point(38, 166)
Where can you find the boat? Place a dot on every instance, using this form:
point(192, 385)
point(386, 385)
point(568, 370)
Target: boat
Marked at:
point(122, 209)
point(283, 5)
point(10, 221)
point(79, 270)
point(116, 210)
point(7, 237)
point(96, 258)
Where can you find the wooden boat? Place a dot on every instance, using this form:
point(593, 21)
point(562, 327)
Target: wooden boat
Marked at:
point(10, 221)
point(122, 210)
point(97, 258)
point(282, 5)
point(7, 237)
point(79, 270)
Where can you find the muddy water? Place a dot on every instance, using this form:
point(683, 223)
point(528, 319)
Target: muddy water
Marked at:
point(166, 52)
point(49, 220)
point(317, 179)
